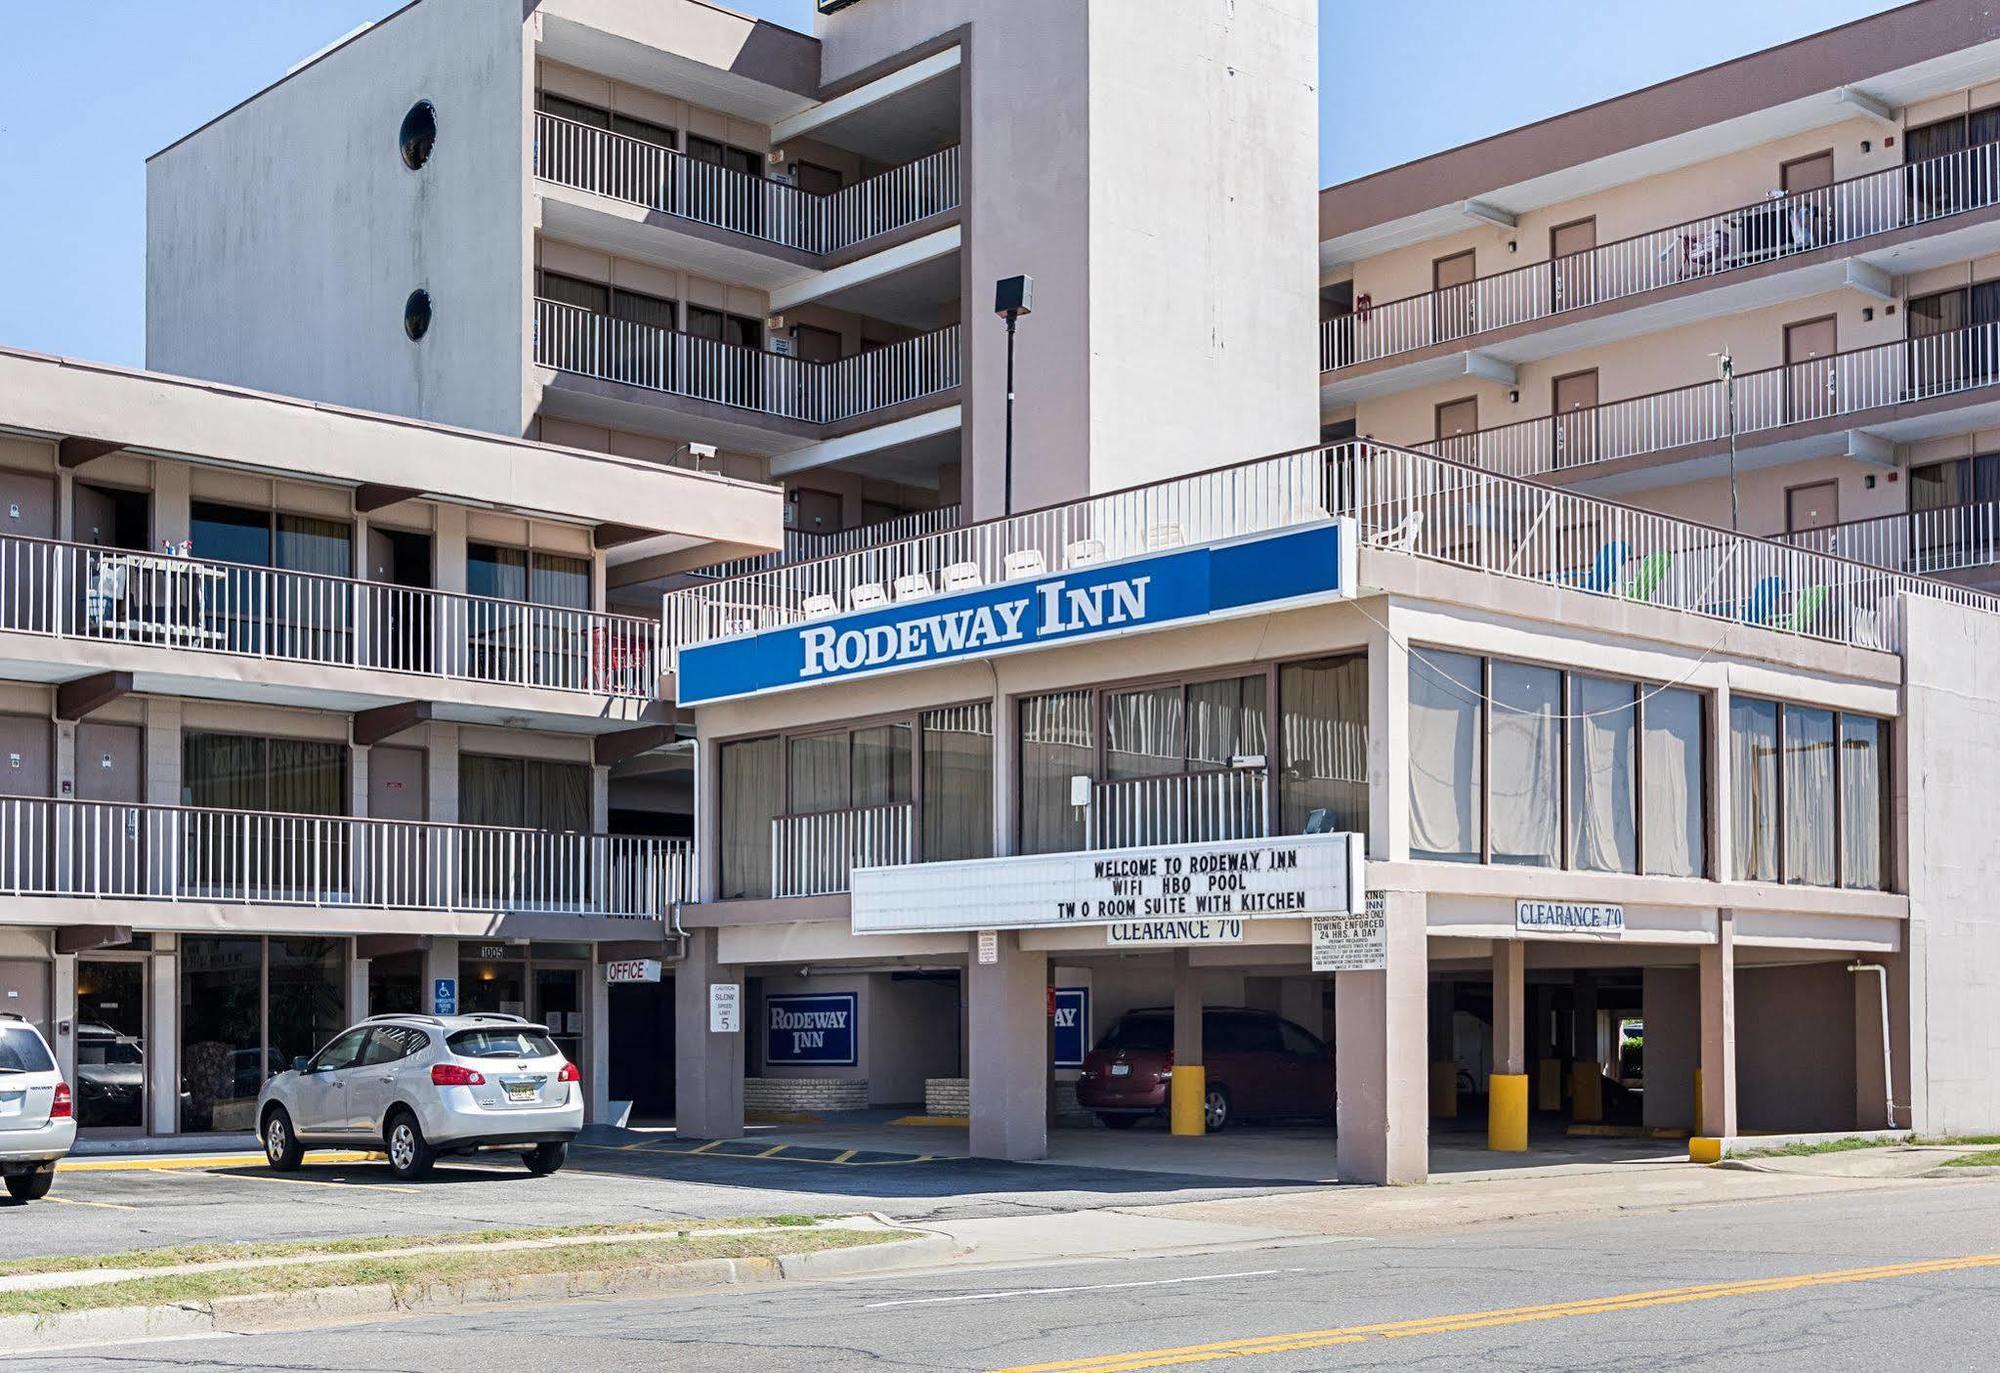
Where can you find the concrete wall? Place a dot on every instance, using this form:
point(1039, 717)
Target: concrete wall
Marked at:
point(1672, 1012)
point(906, 1031)
point(1794, 1048)
point(284, 238)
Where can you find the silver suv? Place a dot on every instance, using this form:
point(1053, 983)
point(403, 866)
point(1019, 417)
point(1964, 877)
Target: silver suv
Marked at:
point(37, 1112)
point(424, 1085)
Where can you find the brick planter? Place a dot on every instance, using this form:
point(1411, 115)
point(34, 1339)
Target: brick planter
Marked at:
point(947, 1096)
point(805, 1094)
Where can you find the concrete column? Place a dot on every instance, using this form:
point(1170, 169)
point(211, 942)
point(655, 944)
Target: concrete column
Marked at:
point(1507, 1089)
point(163, 1042)
point(708, 1067)
point(441, 780)
point(1586, 1067)
point(600, 800)
point(1388, 745)
point(62, 1016)
point(449, 572)
point(1380, 1057)
point(1671, 1006)
point(596, 1063)
point(440, 960)
point(1440, 997)
point(1718, 1031)
point(163, 751)
point(1009, 1052)
point(357, 988)
point(1189, 1088)
point(1721, 840)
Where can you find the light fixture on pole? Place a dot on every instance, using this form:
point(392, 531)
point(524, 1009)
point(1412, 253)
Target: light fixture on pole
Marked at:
point(1729, 419)
point(1012, 298)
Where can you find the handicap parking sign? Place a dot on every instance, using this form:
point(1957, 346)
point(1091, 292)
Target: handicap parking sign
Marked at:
point(444, 996)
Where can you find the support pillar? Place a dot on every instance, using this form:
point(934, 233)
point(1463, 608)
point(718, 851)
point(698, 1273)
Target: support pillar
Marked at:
point(1441, 997)
point(163, 1039)
point(596, 1063)
point(440, 961)
point(1507, 1090)
point(708, 1065)
point(1008, 1052)
point(62, 1016)
point(1718, 1032)
point(1671, 1007)
point(1381, 1056)
point(1188, 1092)
point(1586, 1066)
point(357, 988)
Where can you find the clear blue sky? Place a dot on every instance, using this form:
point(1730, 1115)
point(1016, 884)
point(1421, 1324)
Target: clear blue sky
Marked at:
point(94, 86)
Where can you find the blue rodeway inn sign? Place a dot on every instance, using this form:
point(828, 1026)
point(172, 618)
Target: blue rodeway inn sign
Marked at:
point(816, 1029)
point(1215, 580)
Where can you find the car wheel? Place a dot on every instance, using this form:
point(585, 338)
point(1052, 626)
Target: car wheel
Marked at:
point(410, 1154)
point(31, 1186)
point(282, 1149)
point(1215, 1110)
point(1119, 1122)
point(544, 1159)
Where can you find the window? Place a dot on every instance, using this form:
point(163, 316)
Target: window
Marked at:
point(417, 314)
point(740, 160)
point(518, 574)
point(344, 1052)
point(524, 793)
point(1298, 1043)
point(249, 1006)
point(418, 135)
point(574, 110)
point(21, 1051)
point(1524, 776)
point(1228, 1033)
point(1058, 742)
point(242, 772)
point(1676, 780)
point(393, 1044)
point(1323, 746)
point(1446, 772)
point(1809, 795)
point(752, 781)
point(957, 811)
point(851, 769)
point(739, 330)
point(1603, 800)
point(1807, 745)
point(498, 1043)
point(1864, 782)
point(1753, 736)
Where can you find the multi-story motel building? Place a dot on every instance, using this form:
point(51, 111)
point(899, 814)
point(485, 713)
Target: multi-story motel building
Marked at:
point(1465, 734)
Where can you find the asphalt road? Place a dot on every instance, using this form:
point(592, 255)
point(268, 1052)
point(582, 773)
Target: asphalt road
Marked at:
point(1862, 1280)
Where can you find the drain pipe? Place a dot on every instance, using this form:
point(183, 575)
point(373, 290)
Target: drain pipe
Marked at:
point(1888, 1081)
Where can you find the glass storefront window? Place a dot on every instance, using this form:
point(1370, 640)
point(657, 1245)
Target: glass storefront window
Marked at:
point(308, 996)
point(223, 1063)
point(1753, 747)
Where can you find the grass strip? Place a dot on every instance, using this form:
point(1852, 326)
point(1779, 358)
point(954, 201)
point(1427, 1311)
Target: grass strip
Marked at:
point(1989, 1159)
point(1824, 1146)
point(415, 1271)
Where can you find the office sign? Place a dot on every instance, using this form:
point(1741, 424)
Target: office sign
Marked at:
point(1141, 933)
point(1240, 879)
point(1156, 591)
point(1568, 917)
point(1353, 943)
point(811, 1029)
point(1069, 1027)
point(627, 970)
point(725, 1008)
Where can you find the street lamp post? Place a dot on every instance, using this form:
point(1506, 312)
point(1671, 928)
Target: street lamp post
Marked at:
point(1012, 298)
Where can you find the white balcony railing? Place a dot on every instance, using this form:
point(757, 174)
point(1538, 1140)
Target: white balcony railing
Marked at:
point(571, 339)
point(63, 848)
point(111, 595)
point(802, 545)
point(670, 182)
point(1408, 501)
point(815, 854)
point(1933, 543)
point(1845, 212)
point(1180, 808)
point(1767, 401)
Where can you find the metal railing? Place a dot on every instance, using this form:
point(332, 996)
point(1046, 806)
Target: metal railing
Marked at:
point(1928, 542)
point(1846, 211)
point(1407, 501)
point(569, 338)
point(1768, 400)
point(804, 544)
point(114, 595)
point(52, 847)
point(816, 854)
point(670, 182)
point(1180, 808)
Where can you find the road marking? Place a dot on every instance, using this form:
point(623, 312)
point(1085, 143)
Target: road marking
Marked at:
point(1481, 1320)
point(77, 1201)
point(297, 1182)
point(159, 1164)
point(1091, 1287)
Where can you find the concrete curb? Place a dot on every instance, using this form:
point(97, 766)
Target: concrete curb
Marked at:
point(279, 1310)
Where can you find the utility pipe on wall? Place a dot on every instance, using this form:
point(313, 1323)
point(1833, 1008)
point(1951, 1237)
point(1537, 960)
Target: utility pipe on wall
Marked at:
point(1888, 1080)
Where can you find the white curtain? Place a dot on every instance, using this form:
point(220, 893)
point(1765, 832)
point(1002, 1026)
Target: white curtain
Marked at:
point(1809, 832)
point(1527, 743)
point(882, 766)
point(1323, 719)
point(752, 777)
point(1225, 721)
point(958, 782)
point(1603, 836)
point(1753, 791)
point(819, 774)
point(1675, 844)
point(1445, 691)
point(1145, 733)
point(1861, 778)
point(1058, 742)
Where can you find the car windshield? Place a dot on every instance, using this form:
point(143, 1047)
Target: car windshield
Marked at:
point(1140, 1032)
point(496, 1043)
point(22, 1051)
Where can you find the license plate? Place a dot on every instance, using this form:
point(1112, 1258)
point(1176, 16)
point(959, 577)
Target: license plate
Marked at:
point(522, 1091)
point(1121, 1070)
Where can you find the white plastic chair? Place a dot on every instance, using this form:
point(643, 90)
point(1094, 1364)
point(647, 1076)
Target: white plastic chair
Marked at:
point(866, 596)
point(1165, 536)
point(819, 607)
point(1029, 562)
point(1084, 552)
point(1403, 538)
point(962, 577)
point(914, 587)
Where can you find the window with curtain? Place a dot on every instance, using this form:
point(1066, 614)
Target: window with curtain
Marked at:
point(1446, 690)
point(1676, 782)
point(819, 773)
point(1753, 792)
point(242, 772)
point(1523, 772)
point(1603, 801)
point(1807, 796)
point(750, 796)
point(881, 764)
point(1058, 742)
point(1145, 733)
point(524, 793)
point(1226, 721)
point(1323, 735)
point(1864, 779)
point(958, 782)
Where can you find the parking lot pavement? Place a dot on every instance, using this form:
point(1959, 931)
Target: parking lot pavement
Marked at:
point(104, 1205)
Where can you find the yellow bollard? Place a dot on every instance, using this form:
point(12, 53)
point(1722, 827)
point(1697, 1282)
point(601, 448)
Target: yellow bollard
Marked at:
point(1185, 1095)
point(1507, 1113)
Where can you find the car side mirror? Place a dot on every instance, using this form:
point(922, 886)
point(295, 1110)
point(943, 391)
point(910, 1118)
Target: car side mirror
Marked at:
point(299, 1064)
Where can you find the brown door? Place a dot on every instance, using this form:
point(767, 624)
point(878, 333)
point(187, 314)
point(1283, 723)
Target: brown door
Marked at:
point(1812, 507)
point(815, 179)
point(1813, 173)
point(27, 511)
point(818, 512)
point(1457, 427)
point(1454, 307)
point(395, 783)
point(1809, 369)
point(1574, 405)
point(1808, 203)
point(27, 839)
point(1572, 276)
point(395, 858)
point(108, 843)
point(24, 991)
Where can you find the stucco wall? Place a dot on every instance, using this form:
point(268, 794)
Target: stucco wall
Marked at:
point(1794, 1048)
point(906, 1031)
point(284, 238)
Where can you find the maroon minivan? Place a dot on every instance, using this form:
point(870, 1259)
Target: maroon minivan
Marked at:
point(1259, 1066)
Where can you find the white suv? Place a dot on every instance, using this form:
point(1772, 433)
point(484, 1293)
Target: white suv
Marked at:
point(424, 1085)
point(37, 1112)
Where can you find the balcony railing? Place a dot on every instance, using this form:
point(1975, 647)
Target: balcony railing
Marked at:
point(1180, 808)
point(802, 545)
point(816, 854)
point(112, 595)
point(1411, 502)
point(571, 339)
point(670, 182)
point(64, 848)
point(1930, 542)
point(1766, 401)
point(1714, 245)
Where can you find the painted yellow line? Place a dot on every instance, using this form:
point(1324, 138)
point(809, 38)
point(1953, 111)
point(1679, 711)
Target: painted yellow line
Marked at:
point(774, 1149)
point(161, 1164)
point(844, 1156)
point(703, 1148)
point(101, 1205)
point(1482, 1320)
